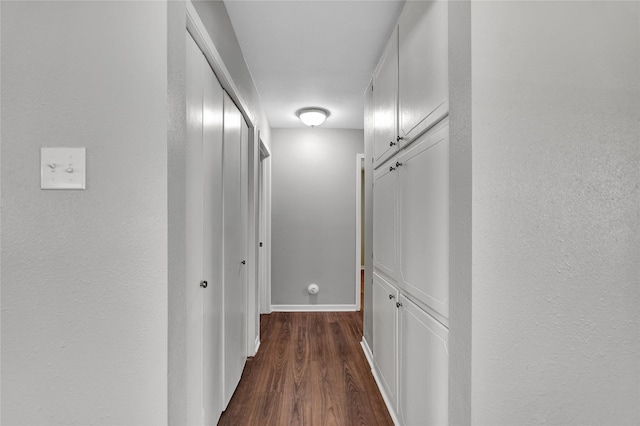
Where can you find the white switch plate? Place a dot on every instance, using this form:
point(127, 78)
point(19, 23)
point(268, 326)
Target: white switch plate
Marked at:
point(62, 168)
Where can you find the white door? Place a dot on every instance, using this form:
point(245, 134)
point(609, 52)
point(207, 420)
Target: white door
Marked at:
point(423, 181)
point(385, 326)
point(424, 367)
point(194, 232)
point(385, 88)
point(233, 292)
point(244, 226)
point(212, 244)
point(385, 220)
point(423, 88)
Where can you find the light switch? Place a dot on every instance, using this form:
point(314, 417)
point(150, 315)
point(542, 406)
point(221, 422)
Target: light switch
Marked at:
point(62, 168)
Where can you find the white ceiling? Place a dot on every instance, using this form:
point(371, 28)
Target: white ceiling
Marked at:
point(306, 53)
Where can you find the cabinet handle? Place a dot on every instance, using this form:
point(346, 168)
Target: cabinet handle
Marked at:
point(391, 168)
point(399, 138)
point(392, 143)
point(244, 262)
point(391, 296)
point(398, 164)
point(203, 284)
point(398, 304)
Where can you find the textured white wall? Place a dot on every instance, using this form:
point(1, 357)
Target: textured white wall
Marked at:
point(556, 107)
point(314, 225)
point(84, 273)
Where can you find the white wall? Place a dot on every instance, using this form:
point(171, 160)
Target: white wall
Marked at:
point(84, 273)
point(556, 239)
point(313, 215)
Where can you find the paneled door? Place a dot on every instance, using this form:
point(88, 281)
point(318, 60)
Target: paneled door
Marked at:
point(385, 220)
point(212, 133)
point(204, 239)
point(234, 329)
point(423, 199)
point(385, 104)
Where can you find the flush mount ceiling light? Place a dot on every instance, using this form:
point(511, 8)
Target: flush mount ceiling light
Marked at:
point(312, 117)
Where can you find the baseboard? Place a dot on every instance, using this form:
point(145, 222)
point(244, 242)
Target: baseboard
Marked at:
point(369, 355)
point(257, 346)
point(313, 308)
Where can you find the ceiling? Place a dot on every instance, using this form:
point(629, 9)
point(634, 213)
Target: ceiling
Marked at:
point(310, 53)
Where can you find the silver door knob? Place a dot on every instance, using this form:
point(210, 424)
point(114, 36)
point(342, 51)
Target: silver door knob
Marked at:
point(203, 284)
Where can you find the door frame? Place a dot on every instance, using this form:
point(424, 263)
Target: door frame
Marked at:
point(264, 220)
point(359, 170)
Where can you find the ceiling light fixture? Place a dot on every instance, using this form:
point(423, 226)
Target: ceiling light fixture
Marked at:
point(312, 117)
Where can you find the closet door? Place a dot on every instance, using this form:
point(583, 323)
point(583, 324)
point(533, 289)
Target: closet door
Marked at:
point(212, 244)
point(234, 303)
point(385, 332)
point(244, 226)
point(423, 88)
point(385, 220)
point(423, 182)
point(424, 367)
point(385, 101)
point(194, 232)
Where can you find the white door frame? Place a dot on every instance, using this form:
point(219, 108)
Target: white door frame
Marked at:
point(359, 169)
point(264, 262)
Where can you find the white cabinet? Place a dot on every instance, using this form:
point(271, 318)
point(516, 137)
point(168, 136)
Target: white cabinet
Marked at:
point(423, 367)
point(385, 220)
point(423, 216)
point(385, 102)
point(385, 332)
point(423, 57)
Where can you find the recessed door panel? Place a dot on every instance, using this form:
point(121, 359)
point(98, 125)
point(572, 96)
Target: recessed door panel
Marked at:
point(384, 221)
point(424, 367)
point(385, 325)
point(385, 101)
point(423, 83)
point(424, 220)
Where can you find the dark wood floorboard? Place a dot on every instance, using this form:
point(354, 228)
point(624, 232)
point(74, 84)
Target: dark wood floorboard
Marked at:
point(310, 370)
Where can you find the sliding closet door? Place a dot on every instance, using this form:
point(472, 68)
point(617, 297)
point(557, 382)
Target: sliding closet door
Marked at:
point(234, 300)
point(212, 132)
point(194, 232)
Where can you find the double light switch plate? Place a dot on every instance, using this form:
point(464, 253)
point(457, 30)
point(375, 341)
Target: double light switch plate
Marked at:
point(62, 168)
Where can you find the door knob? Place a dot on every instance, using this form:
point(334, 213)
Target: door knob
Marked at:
point(203, 284)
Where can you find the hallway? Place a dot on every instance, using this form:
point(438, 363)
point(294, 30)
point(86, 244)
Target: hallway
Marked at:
point(310, 369)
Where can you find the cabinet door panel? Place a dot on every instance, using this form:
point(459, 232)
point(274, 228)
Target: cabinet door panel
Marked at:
point(384, 221)
point(423, 66)
point(385, 334)
point(385, 101)
point(423, 180)
point(424, 367)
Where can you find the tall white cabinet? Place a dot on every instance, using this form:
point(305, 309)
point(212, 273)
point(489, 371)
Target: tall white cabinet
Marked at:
point(411, 216)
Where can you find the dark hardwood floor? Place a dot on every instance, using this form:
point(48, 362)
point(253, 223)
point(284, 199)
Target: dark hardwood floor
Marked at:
point(310, 370)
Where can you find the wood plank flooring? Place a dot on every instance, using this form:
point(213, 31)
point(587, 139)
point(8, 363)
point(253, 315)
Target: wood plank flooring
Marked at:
point(310, 370)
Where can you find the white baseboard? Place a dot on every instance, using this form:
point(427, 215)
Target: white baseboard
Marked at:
point(313, 308)
point(257, 346)
point(369, 355)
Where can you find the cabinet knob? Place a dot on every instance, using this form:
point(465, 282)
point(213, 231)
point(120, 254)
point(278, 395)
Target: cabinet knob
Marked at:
point(399, 138)
point(398, 304)
point(203, 284)
point(391, 168)
point(244, 262)
point(392, 143)
point(398, 164)
point(391, 296)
